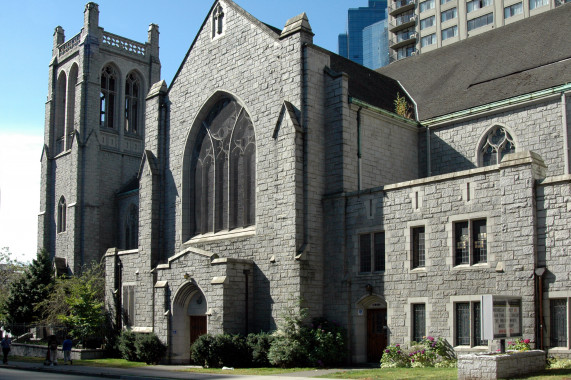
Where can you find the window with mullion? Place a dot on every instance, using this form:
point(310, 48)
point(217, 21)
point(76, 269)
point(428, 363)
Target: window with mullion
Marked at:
point(372, 252)
point(477, 328)
point(418, 321)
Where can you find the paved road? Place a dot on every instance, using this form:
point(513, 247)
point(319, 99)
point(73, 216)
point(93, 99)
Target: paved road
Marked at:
point(37, 370)
point(17, 374)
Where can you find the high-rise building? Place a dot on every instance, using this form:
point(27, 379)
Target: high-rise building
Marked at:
point(418, 26)
point(376, 45)
point(351, 42)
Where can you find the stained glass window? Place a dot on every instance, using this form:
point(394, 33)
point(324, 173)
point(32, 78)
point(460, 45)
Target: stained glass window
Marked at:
point(418, 322)
point(224, 170)
point(463, 324)
point(558, 322)
point(498, 142)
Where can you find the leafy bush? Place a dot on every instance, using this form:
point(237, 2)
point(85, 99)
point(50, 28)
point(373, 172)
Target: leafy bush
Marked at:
point(149, 348)
point(287, 351)
point(520, 345)
point(216, 351)
point(394, 357)
point(328, 343)
point(554, 363)
point(126, 345)
point(429, 352)
point(259, 347)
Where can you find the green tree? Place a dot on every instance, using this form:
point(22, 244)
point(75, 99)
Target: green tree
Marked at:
point(30, 289)
point(10, 271)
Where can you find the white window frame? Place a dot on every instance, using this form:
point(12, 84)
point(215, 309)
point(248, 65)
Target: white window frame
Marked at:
point(557, 295)
point(450, 227)
point(451, 307)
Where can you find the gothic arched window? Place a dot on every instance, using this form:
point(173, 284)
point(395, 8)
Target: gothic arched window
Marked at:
point(60, 106)
point(70, 118)
point(217, 21)
point(61, 215)
point(132, 103)
point(132, 228)
point(107, 97)
point(496, 144)
point(223, 170)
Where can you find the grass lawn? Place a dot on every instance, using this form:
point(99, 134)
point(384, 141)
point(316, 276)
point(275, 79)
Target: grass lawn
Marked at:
point(115, 363)
point(434, 373)
point(247, 371)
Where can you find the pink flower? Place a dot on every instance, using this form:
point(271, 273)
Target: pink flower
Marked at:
point(526, 341)
point(430, 338)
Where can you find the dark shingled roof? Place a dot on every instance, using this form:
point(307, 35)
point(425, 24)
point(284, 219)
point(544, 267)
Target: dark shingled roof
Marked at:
point(523, 57)
point(367, 85)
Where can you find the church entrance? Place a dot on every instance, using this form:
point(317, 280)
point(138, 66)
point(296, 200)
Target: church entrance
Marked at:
point(189, 321)
point(376, 334)
point(197, 327)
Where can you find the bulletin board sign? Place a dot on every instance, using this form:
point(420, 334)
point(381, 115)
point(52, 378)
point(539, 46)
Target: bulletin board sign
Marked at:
point(501, 317)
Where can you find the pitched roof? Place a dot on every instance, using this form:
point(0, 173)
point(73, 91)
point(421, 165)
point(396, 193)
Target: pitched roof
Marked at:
point(523, 57)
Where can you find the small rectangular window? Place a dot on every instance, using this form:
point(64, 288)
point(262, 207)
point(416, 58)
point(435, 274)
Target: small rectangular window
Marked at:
point(470, 242)
point(426, 5)
point(128, 305)
point(372, 252)
point(558, 309)
point(481, 21)
point(513, 10)
point(533, 4)
point(427, 22)
point(463, 324)
point(418, 321)
point(448, 15)
point(449, 32)
point(477, 328)
point(474, 5)
point(418, 253)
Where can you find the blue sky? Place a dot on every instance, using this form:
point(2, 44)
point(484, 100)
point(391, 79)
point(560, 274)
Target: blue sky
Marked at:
point(25, 51)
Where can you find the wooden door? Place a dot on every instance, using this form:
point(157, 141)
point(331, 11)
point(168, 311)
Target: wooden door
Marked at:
point(197, 327)
point(376, 334)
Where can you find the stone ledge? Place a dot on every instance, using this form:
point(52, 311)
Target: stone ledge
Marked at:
point(498, 366)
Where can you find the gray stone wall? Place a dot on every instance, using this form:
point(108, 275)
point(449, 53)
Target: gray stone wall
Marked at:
point(535, 127)
point(503, 196)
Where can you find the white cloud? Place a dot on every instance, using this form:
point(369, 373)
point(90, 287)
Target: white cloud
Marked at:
point(20, 192)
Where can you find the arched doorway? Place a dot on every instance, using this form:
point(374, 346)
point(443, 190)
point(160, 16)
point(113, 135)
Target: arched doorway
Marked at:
point(188, 320)
point(377, 329)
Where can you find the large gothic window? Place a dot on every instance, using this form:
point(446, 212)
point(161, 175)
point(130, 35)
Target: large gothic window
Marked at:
point(61, 215)
point(223, 170)
point(132, 103)
point(60, 113)
point(496, 144)
point(108, 97)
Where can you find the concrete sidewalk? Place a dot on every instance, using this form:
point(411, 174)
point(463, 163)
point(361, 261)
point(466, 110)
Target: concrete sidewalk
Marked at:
point(158, 372)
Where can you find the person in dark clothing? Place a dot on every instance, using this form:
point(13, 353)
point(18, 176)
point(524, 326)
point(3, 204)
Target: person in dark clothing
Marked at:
point(66, 348)
point(6, 343)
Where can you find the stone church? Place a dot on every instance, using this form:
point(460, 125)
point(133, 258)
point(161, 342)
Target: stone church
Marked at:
point(272, 171)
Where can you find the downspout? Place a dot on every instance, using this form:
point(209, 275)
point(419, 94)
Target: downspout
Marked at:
point(428, 148)
point(539, 272)
point(347, 277)
point(359, 153)
point(565, 132)
point(246, 315)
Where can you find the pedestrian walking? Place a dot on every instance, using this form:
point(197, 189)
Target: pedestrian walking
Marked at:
point(51, 358)
point(66, 348)
point(6, 343)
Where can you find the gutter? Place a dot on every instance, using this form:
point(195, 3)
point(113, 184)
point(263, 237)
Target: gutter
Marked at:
point(367, 106)
point(502, 103)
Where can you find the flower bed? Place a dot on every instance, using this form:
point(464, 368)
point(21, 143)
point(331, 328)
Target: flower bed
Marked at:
point(498, 366)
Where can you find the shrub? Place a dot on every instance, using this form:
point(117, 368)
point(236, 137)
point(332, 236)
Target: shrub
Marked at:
point(287, 351)
point(126, 345)
point(149, 348)
point(394, 357)
point(554, 363)
point(519, 345)
point(328, 343)
point(429, 352)
point(259, 347)
point(220, 350)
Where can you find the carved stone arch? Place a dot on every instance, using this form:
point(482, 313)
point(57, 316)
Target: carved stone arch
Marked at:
point(189, 320)
point(196, 132)
point(111, 87)
point(483, 140)
point(134, 93)
point(372, 301)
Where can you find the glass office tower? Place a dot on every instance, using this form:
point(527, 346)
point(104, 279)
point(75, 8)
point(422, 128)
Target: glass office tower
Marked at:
point(357, 20)
point(376, 45)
